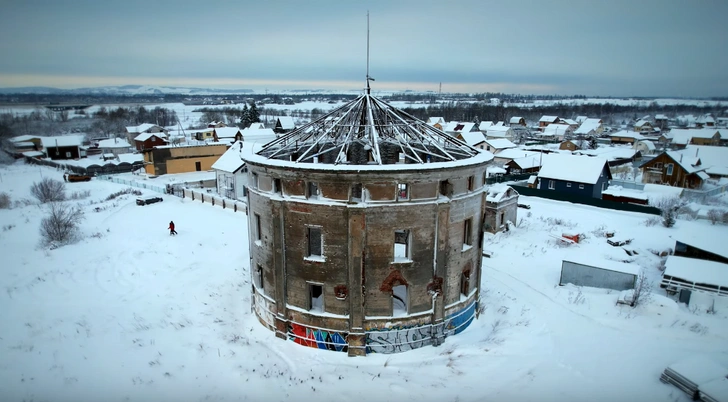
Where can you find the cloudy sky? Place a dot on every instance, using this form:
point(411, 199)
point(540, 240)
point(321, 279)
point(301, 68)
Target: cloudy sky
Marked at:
point(590, 47)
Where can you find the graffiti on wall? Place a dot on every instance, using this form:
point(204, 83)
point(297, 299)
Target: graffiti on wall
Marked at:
point(264, 310)
point(403, 338)
point(317, 338)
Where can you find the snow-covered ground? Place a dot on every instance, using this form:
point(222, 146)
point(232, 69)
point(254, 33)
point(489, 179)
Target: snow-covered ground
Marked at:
point(132, 314)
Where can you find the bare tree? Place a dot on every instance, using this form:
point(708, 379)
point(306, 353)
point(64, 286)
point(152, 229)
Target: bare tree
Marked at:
point(48, 190)
point(715, 215)
point(669, 206)
point(60, 227)
point(5, 201)
point(642, 290)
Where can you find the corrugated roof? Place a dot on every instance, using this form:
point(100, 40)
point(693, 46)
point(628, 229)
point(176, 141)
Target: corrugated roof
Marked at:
point(578, 169)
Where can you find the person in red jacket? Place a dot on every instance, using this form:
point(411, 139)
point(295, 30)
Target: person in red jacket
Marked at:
point(171, 228)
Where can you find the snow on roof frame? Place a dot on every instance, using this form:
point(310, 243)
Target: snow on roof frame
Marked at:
point(370, 123)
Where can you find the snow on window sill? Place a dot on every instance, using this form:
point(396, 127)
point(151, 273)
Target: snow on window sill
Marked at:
point(467, 247)
point(315, 258)
point(401, 260)
point(259, 243)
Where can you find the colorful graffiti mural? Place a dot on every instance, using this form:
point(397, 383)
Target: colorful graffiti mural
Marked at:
point(317, 338)
point(403, 338)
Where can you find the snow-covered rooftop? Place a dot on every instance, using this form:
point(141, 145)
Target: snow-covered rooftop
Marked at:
point(588, 125)
point(227, 132)
point(286, 122)
point(62, 141)
point(548, 119)
point(515, 120)
point(114, 143)
point(610, 265)
point(146, 136)
point(515, 153)
point(556, 129)
point(500, 143)
point(628, 134)
point(579, 169)
point(496, 192)
point(473, 138)
point(697, 271)
point(230, 161)
point(368, 131)
point(141, 128)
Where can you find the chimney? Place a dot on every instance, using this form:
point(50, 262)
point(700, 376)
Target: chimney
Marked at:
point(680, 158)
point(696, 152)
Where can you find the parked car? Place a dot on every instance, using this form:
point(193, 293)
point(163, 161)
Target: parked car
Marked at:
point(148, 200)
point(74, 177)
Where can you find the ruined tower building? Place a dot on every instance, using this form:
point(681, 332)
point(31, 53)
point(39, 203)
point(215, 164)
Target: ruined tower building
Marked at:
point(366, 231)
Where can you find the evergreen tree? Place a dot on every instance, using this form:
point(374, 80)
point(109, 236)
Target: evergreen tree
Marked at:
point(245, 117)
point(253, 114)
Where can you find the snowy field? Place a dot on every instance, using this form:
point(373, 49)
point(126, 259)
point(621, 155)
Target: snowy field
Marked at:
point(132, 314)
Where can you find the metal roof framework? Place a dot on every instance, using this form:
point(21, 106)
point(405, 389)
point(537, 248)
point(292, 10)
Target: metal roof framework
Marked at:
point(372, 123)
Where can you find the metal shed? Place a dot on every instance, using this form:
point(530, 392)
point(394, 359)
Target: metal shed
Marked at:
point(601, 274)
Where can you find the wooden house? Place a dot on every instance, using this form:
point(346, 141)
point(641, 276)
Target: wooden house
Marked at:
point(544, 121)
point(529, 164)
point(496, 145)
point(133, 131)
point(216, 124)
point(643, 126)
point(284, 124)
point(182, 159)
point(590, 128)
point(517, 121)
point(114, 146)
point(149, 140)
point(63, 147)
point(568, 146)
point(437, 122)
point(674, 169)
point(227, 135)
point(578, 175)
point(501, 206)
point(625, 137)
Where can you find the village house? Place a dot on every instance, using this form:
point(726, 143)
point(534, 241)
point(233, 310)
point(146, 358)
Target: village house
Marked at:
point(437, 122)
point(661, 121)
point(475, 139)
point(700, 245)
point(643, 126)
point(25, 145)
point(256, 126)
point(114, 146)
point(577, 175)
point(705, 121)
point(651, 194)
point(590, 128)
point(556, 132)
point(149, 140)
point(571, 123)
point(501, 207)
point(529, 164)
point(63, 147)
point(484, 125)
point(284, 124)
point(615, 156)
point(680, 138)
point(230, 173)
point(645, 147)
point(500, 131)
point(133, 131)
point(454, 128)
point(216, 124)
point(694, 278)
point(714, 159)
point(260, 135)
point(625, 137)
point(544, 121)
point(496, 145)
point(517, 121)
point(227, 135)
point(509, 154)
point(169, 159)
point(674, 169)
point(568, 146)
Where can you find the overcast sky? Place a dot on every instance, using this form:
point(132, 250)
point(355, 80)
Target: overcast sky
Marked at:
point(590, 47)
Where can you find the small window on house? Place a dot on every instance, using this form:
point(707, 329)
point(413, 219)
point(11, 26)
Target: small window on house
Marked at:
point(568, 184)
point(399, 300)
point(402, 191)
point(315, 242)
point(658, 165)
point(198, 166)
point(255, 180)
point(258, 232)
point(471, 183)
point(277, 186)
point(552, 184)
point(313, 190)
point(581, 186)
point(356, 192)
point(315, 159)
point(259, 277)
point(468, 232)
point(401, 245)
point(316, 299)
point(400, 158)
point(669, 168)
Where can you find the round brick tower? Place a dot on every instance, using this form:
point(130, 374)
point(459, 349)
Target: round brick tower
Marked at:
point(365, 231)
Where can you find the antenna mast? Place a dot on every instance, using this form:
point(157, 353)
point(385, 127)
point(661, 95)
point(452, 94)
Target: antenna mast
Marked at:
point(369, 90)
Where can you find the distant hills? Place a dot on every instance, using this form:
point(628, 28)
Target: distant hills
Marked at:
point(124, 90)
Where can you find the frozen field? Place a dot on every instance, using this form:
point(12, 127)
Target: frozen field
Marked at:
point(132, 314)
